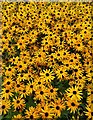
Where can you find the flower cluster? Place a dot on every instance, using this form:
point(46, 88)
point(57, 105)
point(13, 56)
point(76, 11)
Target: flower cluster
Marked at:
point(47, 60)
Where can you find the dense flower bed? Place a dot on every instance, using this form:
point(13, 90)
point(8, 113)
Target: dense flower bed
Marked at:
point(46, 53)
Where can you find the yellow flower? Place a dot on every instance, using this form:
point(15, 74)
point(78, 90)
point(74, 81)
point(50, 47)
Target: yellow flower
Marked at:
point(46, 112)
point(10, 71)
point(24, 55)
point(18, 103)
point(40, 57)
point(31, 113)
point(61, 72)
point(7, 92)
point(23, 93)
point(47, 75)
point(58, 106)
point(72, 105)
point(5, 106)
point(30, 87)
point(41, 93)
point(52, 92)
point(88, 112)
point(39, 82)
point(74, 93)
point(18, 117)
point(19, 86)
point(21, 44)
point(14, 60)
point(21, 66)
point(8, 83)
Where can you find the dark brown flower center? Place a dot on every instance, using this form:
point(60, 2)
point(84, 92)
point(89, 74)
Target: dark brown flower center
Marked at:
point(31, 116)
point(24, 91)
point(51, 90)
point(61, 72)
point(41, 92)
point(18, 101)
point(8, 83)
point(73, 104)
point(3, 106)
point(39, 82)
point(46, 114)
point(18, 85)
point(20, 66)
point(39, 55)
point(31, 86)
point(7, 91)
point(57, 107)
point(9, 69)
point(74, 92)
point(47, 74)
point(20, 43)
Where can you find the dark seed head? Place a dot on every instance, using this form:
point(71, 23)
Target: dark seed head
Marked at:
point(75, 70)
point(39, 83)
point(92, 113)
point(18, 101)
point(18, 85)
point(20, 66)
point(8, 83)
point(39, 55)
point(24, 91)
point(51, 90)
point(9, 69)
point(31, 116)
point(7, 91)
point(74, 92)
point(3, 107)
point(31, 86)
point(73, 104)
point(46, 114)
point(57, 107)
point(47, 74)
point(41, 92)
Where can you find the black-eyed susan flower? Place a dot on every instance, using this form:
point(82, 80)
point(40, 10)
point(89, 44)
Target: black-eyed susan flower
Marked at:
point(30, 87)
point(39, 82)
point(8, 83)
point(21, 66)
point(74, 93)
point(41, 93)
point(19, 86)
point(7, 92)
point(72, 105)
point(58, 106)
point(18, 103)
point(46, 112)
point(61, 73)
point(18, 117)
point(88, 113)
point(52, 92)
point(5, 106)
point(47, 75)
point(9, 71)
point(31, 113)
